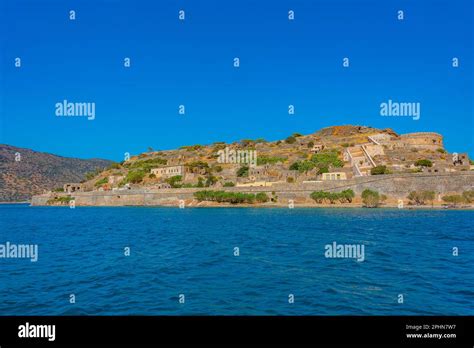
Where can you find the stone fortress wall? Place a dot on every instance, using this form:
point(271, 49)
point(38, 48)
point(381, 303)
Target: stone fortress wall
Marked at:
point(392, 185)
point(424, 140)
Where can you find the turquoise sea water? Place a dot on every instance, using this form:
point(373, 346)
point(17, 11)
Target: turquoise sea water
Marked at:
point(191, 251)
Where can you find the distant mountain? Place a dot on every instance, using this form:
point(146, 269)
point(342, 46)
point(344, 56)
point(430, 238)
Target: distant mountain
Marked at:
point(24, 172)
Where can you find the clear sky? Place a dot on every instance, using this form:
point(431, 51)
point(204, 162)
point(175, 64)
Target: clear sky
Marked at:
point(190, 62)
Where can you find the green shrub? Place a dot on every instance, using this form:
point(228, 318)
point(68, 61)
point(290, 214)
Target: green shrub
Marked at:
point(468, 196)
point(290, 140)
point(146, 165)
point(290, 180)
point(327, 158)
point(101, 182)
point(379, 170)
point(200, 182)
point(424, 163)
point(229, 184)
point(226, 197)
point(58, 189)
point(453, 199)
point(421, 197)
point(261, 160)
point(135, 176)
point(370, 199)
point(348, 195)
point(175, 181)
point(332, 197)
point(210, 180)
point(243, 171)
point(302, 166)
point(61, 199)
point(319, 196)
point(261, 197)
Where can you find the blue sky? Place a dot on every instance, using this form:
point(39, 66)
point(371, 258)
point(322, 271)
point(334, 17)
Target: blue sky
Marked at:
point(282, 62)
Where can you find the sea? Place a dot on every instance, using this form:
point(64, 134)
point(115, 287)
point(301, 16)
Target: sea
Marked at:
point(236, 261)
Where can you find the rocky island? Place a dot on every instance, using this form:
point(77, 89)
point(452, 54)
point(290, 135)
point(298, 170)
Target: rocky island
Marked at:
point(336, 166)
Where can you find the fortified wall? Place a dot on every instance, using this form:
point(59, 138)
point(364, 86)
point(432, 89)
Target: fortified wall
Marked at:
point(423, 140)
point(394, 185)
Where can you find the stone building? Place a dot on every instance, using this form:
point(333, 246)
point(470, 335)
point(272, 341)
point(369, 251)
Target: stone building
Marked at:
point(115, 179)
point(422, 140)
point(317, 148)
point(168, 171)
point(334, 176)
point(72, 187)
point(461, 159)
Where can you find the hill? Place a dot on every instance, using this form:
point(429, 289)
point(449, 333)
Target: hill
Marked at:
point(333, 153)
point(24, 172)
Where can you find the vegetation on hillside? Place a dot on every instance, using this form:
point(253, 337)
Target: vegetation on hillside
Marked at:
point(424, 163)
point(421, 197)
point(345, 196)
point(322, 161)
point(262, 160)
point(231, 197)
point(370, 198)
point(379, 170)
point(146, 165)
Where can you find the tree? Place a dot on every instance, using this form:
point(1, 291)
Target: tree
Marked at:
point(290, 140)
point(175, 181)
point(348, 195)
point(211, 180)
point(318, 196)
point(454, 199)
point(468, 196)
point(371, 199)
point(200, 182)
point(420, 197)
